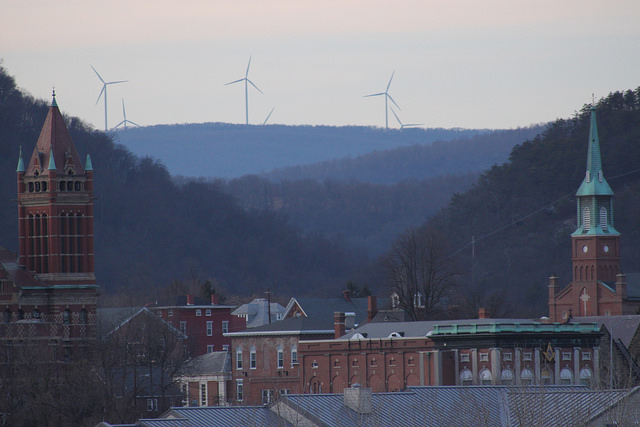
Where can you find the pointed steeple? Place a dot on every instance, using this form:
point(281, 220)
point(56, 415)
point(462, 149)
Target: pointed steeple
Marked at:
point(20, 167)
point(594, 183)
point(54, 103)
point(52, 162)
point(88, 166)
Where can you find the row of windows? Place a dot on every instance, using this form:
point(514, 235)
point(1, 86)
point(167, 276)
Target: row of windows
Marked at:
point(225, 326)
point(526, 356)
point(67, 317)
point(42, 186)
point(253, 362)
point(526, 377)
point(207, 312)
point(586, 219)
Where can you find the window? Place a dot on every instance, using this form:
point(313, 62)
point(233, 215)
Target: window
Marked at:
point(83, 317)
point(566, 355)
point(526, 356)
point(294, 354)
point(225, 326)
point(66, 317)
point(484, 357)
point(225, 347)
point(198, 312)
point(547, 377)
point(485, 377)
point(252, 358)
point(278, 316)
point(506, 377)
point(466, 377)
point(183, 327)
point(284, 391)
point(507, 357)
point(586, 355)
point(464, 357)
point(209, 348)
point(267, 396)
point(208, 312)
point(209, 328)
point(239, 358)
point(170, 313)
point(314, 364)
point(280, 358)
point(152, 405)
point(566, 376)
point(526, 377)
point(35, 314)
point(586, 220)
point(603, 218)
point(203, 394)
point(239, 391)
point(585, 376)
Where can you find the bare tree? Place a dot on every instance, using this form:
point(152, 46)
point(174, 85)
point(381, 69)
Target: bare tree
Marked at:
point(420, 271)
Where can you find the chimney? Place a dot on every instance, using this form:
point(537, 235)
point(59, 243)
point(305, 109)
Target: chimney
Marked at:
point(347, 295)
point(338, 324)
point(483, 313)
point(621, 286)
point(189, 299)
point(214, 299)
point(358, 399)
point(553, 287)
point(372, 307)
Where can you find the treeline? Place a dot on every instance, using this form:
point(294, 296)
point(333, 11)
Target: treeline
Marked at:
point(521, 213)
point(150, 230)
point(471, 153)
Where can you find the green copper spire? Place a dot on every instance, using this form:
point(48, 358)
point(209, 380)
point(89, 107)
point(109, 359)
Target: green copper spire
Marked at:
point(594, 183)
point(54, 103)
point(20, 167)
point(52, 162)
point(88, 166)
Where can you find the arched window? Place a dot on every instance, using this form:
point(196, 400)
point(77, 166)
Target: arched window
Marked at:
point(586, 219)
point(485, 377)
point(547, 376)
point(66, 316)
point(239, 358)
point(566, 376)
point(252, 358)
point(83, 317)
point(603, 219)
point(35, 314)
point(526, 377)
point(506, 377)
point(6, 316)
point(585, 376)
point(466, 377)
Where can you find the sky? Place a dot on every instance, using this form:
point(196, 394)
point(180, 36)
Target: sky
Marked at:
point(469, 64)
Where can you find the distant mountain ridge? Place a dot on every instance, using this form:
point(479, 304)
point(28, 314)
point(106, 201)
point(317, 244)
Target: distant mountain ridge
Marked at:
point(229, 151)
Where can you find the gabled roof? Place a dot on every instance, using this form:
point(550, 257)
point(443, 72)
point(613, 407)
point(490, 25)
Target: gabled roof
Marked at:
point(624, 327)
point(116, 322)
point(217, 362)
point(322, 309)
point(290, 326)
point(257, 312)
point(54, 140)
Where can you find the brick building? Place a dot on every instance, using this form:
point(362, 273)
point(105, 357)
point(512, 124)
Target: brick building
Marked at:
point(203, 322)
point(392, 356)
point(49, 294)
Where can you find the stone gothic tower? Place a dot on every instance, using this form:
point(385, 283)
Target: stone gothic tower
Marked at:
point(598, 288)
point(55, 208)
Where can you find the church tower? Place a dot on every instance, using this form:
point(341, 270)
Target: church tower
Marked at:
point(597, 287)
point(55, 208)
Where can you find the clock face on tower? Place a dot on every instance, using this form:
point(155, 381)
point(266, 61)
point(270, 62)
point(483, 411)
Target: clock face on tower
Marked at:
point(605, 248)
point(585, 249)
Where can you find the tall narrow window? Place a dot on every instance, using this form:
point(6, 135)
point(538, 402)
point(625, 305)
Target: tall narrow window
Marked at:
point(239, 358)
point(280, 358)
point(586, 219)
point(239, 391)
point(603, 219)
point(252, 358)
point(294, 354)
point(225, 326)
point(209, 328)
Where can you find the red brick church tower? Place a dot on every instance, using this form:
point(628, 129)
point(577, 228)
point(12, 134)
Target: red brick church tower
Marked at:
point(55, 208)
point(49, 295)
point(597, 287)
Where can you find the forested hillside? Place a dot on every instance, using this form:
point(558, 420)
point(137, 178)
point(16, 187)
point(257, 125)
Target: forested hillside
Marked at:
point(228, 151)
point(522, 212)
point(151, 231)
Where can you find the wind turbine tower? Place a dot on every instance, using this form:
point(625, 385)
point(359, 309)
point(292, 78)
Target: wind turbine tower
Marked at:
point(247, 82)
point(387, 97)
point(124, 121)
point(104, 90)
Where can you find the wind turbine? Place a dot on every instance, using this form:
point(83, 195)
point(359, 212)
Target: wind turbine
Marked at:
point(405, 125)
point(104, 90)
point(125, 121)
point(386, 98)
point(268, 116)
point(246, 81)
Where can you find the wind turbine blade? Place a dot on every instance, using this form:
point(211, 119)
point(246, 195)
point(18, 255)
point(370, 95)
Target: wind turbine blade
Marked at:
point(269, 115)
point(255, 86)
point(235, 81)
point(124, 113)
point(97, 74)
point(389, 84)
point(119, 81)
point(397, 118)
point(374, 94)
point(104, 88)
point(394, 102)
point(413, 124)
point(248, 65)
point(133, 123)
point(117, 126)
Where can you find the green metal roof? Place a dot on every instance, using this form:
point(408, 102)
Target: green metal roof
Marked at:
point(498, 328)
point(594, 183)
point(20, 167)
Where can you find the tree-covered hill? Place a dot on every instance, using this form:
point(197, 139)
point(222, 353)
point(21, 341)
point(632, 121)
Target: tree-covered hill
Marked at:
point(150, 230)
point(522, 212)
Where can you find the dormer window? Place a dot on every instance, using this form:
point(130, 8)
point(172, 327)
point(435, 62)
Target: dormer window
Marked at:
point(588, 177)
point(70, 172)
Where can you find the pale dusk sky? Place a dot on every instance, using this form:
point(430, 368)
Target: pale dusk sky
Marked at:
point(472, 64)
